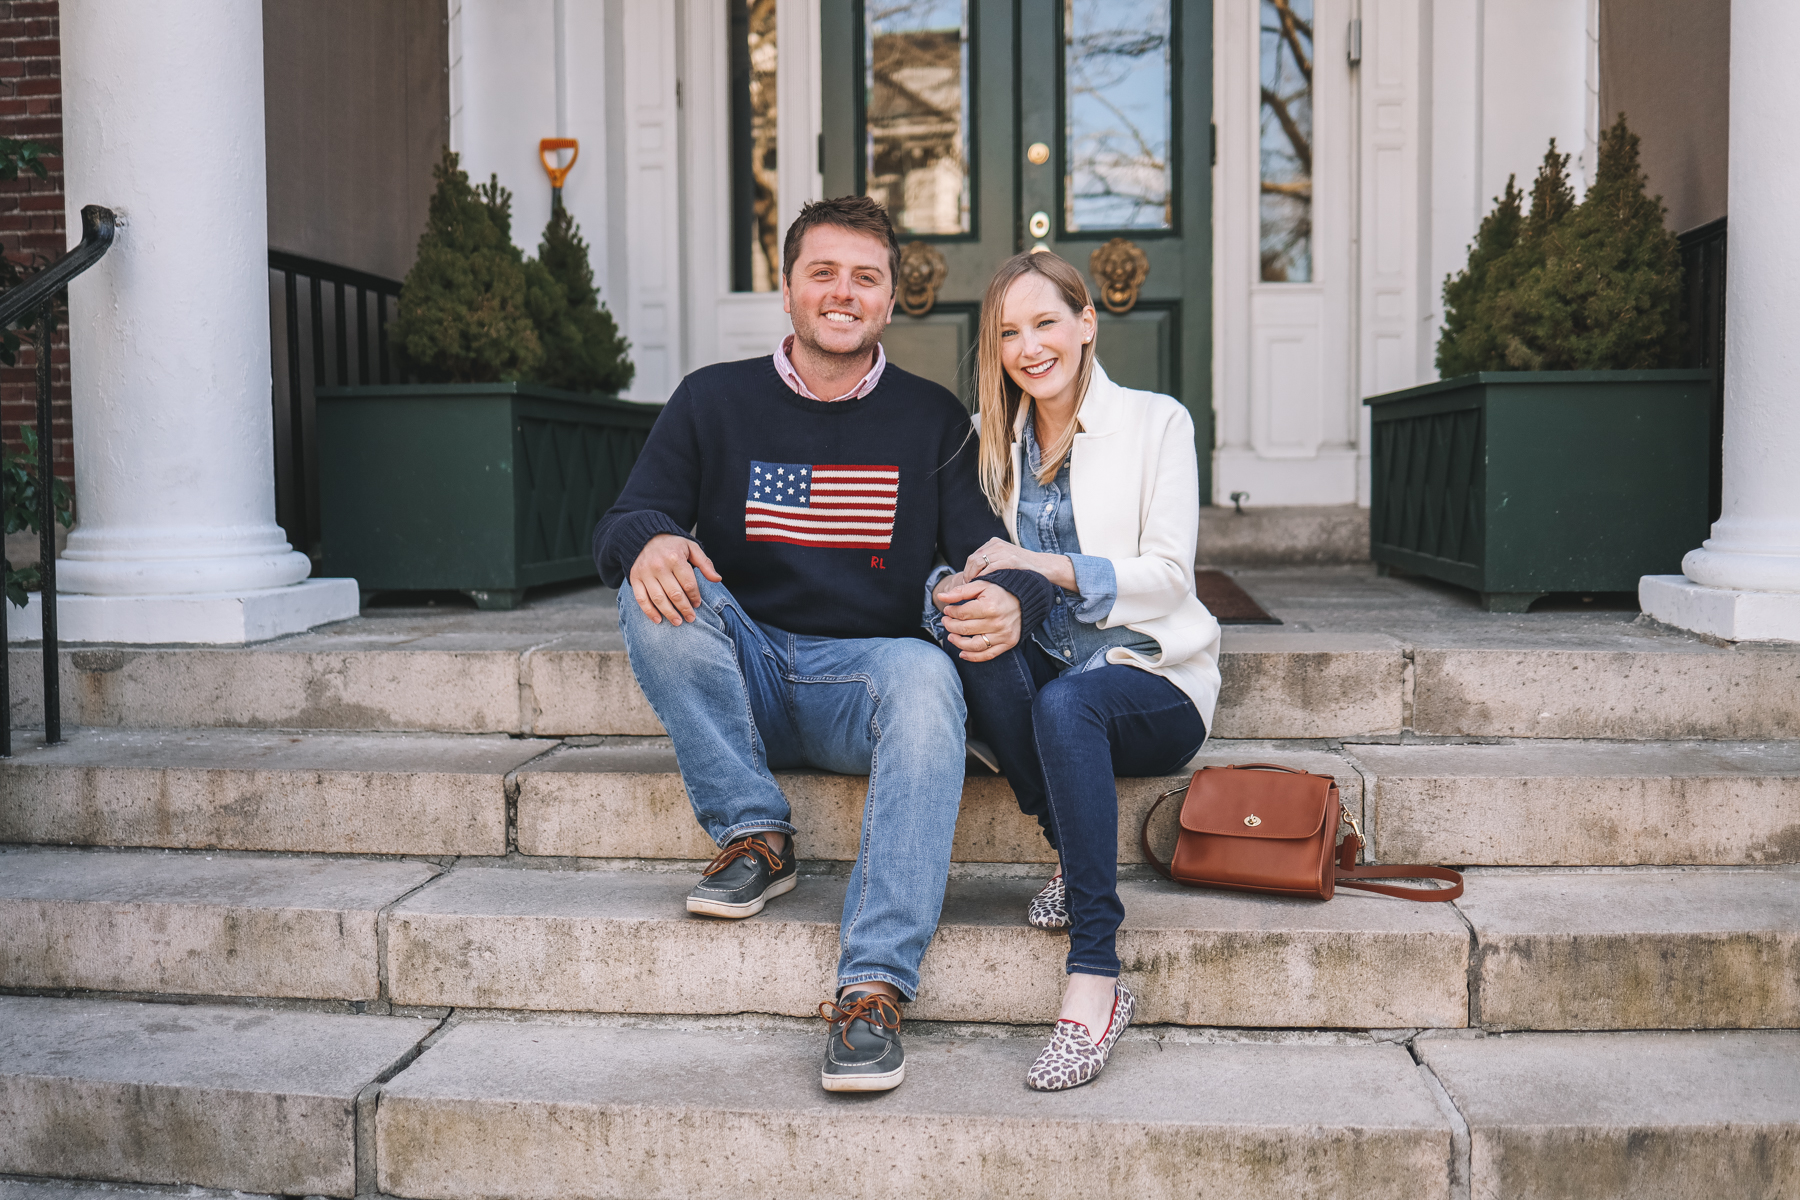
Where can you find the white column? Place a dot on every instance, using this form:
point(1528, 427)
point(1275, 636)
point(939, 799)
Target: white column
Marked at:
point(1744, 583)
point(176, 540)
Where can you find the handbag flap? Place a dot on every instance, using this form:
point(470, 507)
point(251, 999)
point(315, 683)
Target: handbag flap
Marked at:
point(1240, 802)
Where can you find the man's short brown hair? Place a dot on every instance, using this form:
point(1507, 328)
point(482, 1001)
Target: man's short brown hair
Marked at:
point(859, 214)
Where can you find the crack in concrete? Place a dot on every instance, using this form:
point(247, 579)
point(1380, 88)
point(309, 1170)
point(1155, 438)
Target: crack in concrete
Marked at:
point(369, 1098)
point(1461, 1167)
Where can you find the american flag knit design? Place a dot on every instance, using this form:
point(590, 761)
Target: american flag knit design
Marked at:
point(820, 504)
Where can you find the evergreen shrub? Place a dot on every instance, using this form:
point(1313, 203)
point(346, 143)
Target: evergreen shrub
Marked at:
point(475, 310)
point(1594, 286)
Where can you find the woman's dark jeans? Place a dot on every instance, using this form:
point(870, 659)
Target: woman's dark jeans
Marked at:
point(1061, 739)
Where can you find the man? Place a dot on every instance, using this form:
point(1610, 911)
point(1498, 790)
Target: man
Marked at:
point(777, 532)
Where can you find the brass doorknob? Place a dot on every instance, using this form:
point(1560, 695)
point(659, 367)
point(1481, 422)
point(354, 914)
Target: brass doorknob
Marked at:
point(1037, 154)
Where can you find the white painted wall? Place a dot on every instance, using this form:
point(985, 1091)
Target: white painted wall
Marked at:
point(603, 72)
point(1451, 96)
point(1503, 77)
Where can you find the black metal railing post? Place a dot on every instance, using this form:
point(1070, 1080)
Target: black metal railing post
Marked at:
point(47, 531)
point(39, 294)
point(316, 325)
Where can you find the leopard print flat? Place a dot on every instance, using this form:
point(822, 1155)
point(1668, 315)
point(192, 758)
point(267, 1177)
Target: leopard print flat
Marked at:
point(1050, 907)
point(1072, 1059)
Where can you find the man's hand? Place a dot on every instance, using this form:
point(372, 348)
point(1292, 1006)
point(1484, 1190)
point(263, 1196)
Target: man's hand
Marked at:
point(981, 618)
point(662, 578)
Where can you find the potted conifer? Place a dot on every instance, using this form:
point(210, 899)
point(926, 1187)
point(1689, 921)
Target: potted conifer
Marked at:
point(1559, 452)
point(485, 475)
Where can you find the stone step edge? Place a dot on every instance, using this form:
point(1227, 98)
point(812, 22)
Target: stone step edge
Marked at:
point(1492, 999)
point(1357, 684)
point(368, 1149)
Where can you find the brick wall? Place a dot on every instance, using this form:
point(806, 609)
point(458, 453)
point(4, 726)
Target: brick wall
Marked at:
point(31, 209)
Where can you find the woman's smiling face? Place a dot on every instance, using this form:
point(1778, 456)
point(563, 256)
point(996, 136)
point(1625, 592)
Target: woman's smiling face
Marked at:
point(1041, 338)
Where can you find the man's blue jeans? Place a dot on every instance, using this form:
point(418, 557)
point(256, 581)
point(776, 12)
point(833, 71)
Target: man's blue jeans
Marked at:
point(740, 699)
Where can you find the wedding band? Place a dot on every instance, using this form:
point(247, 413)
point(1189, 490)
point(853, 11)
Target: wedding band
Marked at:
point(987, 642)
point(984, 560)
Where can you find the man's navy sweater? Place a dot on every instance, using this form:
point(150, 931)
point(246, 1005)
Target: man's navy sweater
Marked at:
point(823, 517)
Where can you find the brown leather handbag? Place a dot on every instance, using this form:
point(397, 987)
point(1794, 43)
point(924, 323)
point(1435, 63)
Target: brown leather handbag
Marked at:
point(1263, 828)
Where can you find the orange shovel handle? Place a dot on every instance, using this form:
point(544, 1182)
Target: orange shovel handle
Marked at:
point(547, 149)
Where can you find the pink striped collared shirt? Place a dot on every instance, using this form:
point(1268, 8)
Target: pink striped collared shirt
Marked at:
point(784, 367)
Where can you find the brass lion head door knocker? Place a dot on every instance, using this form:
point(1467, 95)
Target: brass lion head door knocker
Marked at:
point(922, 271)
point(1120, 268)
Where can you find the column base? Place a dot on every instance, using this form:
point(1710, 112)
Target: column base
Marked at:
point(1724, 613)
point(210, 619)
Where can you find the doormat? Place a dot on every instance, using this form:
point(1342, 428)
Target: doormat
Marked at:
point(1228, 602)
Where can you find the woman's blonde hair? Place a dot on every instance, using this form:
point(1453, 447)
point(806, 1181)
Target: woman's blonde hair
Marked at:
point(1000, 397)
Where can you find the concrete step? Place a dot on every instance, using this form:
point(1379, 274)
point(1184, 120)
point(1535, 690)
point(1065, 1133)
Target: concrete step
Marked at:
point(625, 799)
point(243, 925)
point(539, 1111)
point(1551, 949)
point(1614, 681)
point(534, 1110)
point(1645, 1116)
point(222, 1097)
point(256, 790)
point(1692, 949)
point(1527, 803)
point(1598, 803)
point(622, 941)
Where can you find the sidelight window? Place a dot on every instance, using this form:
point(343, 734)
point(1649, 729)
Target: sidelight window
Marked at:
point(755, 196)
point(1286, 141)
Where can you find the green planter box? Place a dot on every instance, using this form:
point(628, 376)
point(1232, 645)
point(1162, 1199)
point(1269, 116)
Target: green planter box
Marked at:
point(484, 488)
point(1521, 483)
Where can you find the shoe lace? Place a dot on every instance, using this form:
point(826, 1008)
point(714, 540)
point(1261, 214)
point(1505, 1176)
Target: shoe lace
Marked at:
point(874, 1007)
point(749, 847)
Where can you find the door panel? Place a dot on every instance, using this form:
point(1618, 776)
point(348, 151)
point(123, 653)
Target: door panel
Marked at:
point(938, 345)
point(1016, 74)
point(1138, 349)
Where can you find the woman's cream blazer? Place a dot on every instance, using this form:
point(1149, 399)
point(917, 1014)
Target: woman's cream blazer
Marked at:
point(1135, 487)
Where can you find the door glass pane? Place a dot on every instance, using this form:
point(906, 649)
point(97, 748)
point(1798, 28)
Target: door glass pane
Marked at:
point(755, 241)
point(1116, 102)
point(917, 112)
point(1286, 140)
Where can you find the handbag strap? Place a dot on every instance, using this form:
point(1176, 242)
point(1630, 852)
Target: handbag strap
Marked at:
point(1162, 868)
point(1348, 873)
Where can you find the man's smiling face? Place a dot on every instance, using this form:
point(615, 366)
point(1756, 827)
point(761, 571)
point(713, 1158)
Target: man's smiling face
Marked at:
point(840, 294)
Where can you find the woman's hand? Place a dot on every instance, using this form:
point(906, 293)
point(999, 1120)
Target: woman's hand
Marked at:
point(1001, 555)
point(981, 618)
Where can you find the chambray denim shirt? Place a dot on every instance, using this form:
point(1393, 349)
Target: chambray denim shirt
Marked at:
point(1070, 634)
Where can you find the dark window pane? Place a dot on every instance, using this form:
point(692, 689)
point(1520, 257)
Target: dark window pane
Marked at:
point(755, 242)
point(917, 112)
point(1285, 138)
point(1116, 99)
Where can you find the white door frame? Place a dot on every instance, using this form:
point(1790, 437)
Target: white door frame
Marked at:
point(721, 324)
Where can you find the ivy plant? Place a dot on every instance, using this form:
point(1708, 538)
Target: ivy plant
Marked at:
point(19, 472)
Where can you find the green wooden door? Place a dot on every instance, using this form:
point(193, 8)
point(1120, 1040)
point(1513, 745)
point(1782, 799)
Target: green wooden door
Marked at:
point(994, 126)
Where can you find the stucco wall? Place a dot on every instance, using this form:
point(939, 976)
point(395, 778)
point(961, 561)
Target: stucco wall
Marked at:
point(358, 107)
point(1666, 65)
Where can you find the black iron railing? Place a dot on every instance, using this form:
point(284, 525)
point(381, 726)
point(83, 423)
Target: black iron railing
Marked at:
point(39, 293)
point(328, 327)
point(1703, 313)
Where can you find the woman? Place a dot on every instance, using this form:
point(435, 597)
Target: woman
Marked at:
point(1098, 485)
